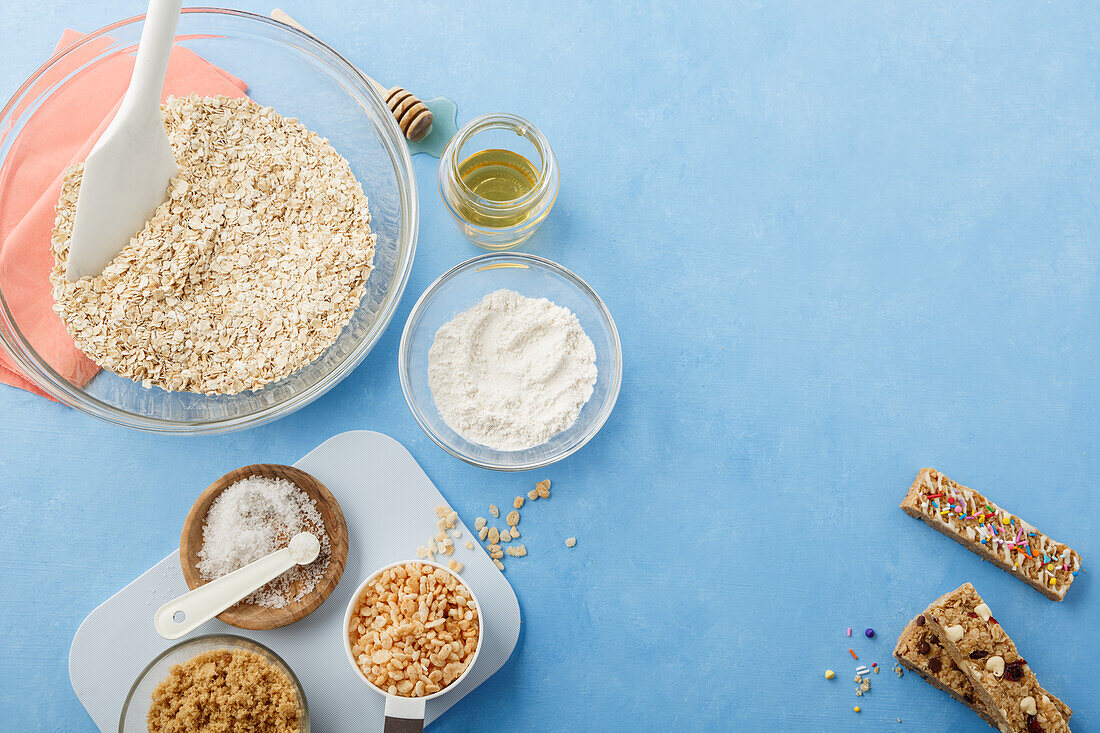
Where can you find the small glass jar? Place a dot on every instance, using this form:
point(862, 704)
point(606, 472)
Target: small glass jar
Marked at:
point(495, 224)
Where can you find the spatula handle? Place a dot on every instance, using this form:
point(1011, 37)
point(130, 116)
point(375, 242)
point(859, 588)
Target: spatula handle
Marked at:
point(147, 82)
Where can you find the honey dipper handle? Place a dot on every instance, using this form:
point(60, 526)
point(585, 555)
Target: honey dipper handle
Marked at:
point(413, 117)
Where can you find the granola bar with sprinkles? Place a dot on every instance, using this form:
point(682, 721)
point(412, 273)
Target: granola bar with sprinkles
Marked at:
point(992, 533)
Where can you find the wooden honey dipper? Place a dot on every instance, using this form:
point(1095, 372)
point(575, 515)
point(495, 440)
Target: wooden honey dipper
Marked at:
point(413, 116)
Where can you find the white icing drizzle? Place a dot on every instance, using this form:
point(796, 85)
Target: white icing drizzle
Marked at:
point(1004, 545)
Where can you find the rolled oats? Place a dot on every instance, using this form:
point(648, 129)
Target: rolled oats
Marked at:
point(245, 274)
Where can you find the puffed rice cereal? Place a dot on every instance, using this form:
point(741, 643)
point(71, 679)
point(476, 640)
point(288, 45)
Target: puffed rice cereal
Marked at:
point(414, 629)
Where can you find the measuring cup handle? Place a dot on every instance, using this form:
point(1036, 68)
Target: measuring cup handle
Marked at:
point(404, 714)
point(403, 725)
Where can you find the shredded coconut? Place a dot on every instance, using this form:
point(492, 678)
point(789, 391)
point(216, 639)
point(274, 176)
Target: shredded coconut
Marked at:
point(511, 372)
point(253, 518)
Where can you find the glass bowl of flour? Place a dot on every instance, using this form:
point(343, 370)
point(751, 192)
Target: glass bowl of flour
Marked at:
point(510, 362)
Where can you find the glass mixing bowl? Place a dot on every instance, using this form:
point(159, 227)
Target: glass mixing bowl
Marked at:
point(136, 707)
point(461, 288)
point(299, 77)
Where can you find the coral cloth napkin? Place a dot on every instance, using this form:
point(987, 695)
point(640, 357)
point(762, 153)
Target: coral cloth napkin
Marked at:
point(62, 132)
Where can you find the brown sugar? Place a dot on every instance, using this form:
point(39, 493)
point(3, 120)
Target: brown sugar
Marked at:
point(222, 691)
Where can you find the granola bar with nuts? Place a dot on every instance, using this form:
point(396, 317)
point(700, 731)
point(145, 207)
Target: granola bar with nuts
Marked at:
point(920, 650)
point(989, 659)
point(992, 533)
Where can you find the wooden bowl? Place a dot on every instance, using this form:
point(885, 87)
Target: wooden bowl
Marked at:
point(247, 615)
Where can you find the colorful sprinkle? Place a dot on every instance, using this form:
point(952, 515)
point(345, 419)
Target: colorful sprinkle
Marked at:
point(853, 654)
point(869, 633)
point(935, 496)
point(849, 631)
point(829, 674)
point(856, 709)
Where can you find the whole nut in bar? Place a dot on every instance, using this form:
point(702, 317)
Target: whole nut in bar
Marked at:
point(954, 633)
point(996, 665)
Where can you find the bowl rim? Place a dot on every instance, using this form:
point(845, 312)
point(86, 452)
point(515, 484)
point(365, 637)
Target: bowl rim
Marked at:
point(232, 640)
point(42, 376)
point(492, 260)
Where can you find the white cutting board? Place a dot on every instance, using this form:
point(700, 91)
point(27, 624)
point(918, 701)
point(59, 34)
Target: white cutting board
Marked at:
point(389, 504)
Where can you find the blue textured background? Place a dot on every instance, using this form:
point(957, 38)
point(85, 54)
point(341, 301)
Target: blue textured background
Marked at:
point(841, 240)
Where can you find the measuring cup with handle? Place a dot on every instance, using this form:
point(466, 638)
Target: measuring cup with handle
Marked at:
point(406, 714)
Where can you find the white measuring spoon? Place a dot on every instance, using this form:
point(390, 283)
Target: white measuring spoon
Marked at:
point(207, 601)
point(127, 173)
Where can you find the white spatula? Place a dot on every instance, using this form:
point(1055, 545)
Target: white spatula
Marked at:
point(127, 173)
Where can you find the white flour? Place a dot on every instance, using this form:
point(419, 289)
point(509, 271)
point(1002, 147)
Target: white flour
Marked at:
point(512, 372)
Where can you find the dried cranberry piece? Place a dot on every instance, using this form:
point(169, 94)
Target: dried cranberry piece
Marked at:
point(1033, 725)
point(972, 615)
point(1014, 671)
point(978, 654)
